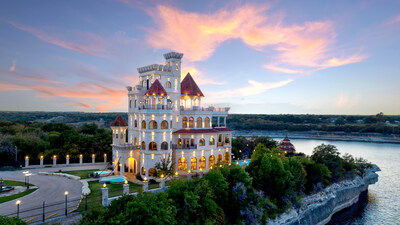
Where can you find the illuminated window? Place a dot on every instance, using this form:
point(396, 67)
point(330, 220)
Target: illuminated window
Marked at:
point(164, 146)
point(143, 145)
point(153, 124)
point(179, 142)
point(202, 162)
point(153, 146)
point(135, 141)
point(219, 159)
point(135, 123)
point(164, 124)
point(184, 122)
point(207, 122)
point(226, 158)
point(211, 161)
point(191, 122)
point(143, 171)
point(182, 164)
point(152, 172)
point(143, 124)
point(199, 122)
point(193, 163)
point(202, 142)
point(212, 141)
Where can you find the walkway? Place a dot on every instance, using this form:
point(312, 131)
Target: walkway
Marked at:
point(51, 191)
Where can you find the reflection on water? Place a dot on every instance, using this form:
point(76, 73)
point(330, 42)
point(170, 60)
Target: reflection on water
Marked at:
point(381, 204)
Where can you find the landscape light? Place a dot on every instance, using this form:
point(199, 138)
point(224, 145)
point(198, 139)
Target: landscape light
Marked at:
point(145, 178)
point(18, 202)
point(162, 175)
point(189, 171)
point(126, 181)
point(104, 185)
point(26, 157)
point(41, 157)
point(176, 173)
point(66, 193)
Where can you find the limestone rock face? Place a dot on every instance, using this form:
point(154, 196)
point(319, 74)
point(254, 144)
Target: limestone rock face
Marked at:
point(319, 208)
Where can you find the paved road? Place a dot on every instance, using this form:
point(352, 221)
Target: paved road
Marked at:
point(51, 191)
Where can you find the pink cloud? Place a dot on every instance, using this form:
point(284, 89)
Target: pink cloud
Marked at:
point(12, 68)
point(199, 77)
point(198, 35)
point(89, 43)
point(280, 69)
point(79, 105)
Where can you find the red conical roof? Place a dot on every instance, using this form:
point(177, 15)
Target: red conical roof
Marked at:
point(119, 122)
point(189, 86)
point(286, 145)
point(157, 89)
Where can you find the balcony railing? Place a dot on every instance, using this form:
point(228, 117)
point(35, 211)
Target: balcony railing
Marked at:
point(220, 125)
point(155, 107)
point(175, 146)
point(210, 108)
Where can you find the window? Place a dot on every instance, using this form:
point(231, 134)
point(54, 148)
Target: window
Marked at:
point(193, 163)
point(135, 103)
point(202, 142)
point(202, 162)
point(143, 171)
point(135, 141)
point(152, 172)
point(198, 122)
point(184, 122)
point(227, 139)
point(164, 124)
point(143, 145)
point(207, 122)
point(219, 159)
point(211, 161)
point(135, 123)
point(182, 164)
point(191, 122)
point(143, 124)
point(226, 158)
point(212, 141)
point(164, 146)
point(179, 142)
point(116, 135)
point(130, 103)
point(168, 84)
point(153, 124)
point(153, 146)
point(143, 83)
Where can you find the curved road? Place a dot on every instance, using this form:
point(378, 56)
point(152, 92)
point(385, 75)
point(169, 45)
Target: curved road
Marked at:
point(51, 191)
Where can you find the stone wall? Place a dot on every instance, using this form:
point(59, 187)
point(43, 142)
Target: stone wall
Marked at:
point(319, 208)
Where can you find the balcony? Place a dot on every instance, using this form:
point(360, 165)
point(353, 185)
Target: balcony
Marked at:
point(175, 146)
point(220, 144)
point(155, 107)
point(209, 109)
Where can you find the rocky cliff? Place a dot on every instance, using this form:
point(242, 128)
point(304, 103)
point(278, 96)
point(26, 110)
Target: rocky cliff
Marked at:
point(319, 208)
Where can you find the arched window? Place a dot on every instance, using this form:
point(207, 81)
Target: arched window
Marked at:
point(202, 162)
point(193, 164)
point(207, 122)
point(226, 157)
point(191, 122)
point(182, 164)
point(135, 141)
point(143, 171)
point(184, 122)
point(168, 84)
point(212, 141)
point(135, 123)
point(179, 142)
point(143, 124)
point(164, 146)
point(199, 122)
point(164, 124)
point(153, 124)
point(202, 142)
point(153, 146)
point(227, 140)
point(152, 172)
point(219, 159)
point(143, 145)
point(211, 161)
point(143, 83)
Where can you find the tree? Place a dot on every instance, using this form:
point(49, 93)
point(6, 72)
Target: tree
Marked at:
point(165, 167)
point(329, 156)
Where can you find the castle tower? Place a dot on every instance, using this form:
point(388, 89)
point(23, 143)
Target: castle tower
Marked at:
point(119, 128)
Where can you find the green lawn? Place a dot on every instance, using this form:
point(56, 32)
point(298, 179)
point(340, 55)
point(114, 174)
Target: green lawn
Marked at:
point(83, 174)
point(12, 197)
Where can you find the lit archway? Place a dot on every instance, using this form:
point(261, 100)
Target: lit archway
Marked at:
point(143, 124)
point(207, 122)
point(193, 164)
point(184, 122)
point(182, 164)
point(202, 142)
point(226, 157)
point(191, 122)
point(164, 124)
point(199, 122)
point(211, 161)
point(152, 172)
point(219, 159)
point(153, 124)
point(202, 162)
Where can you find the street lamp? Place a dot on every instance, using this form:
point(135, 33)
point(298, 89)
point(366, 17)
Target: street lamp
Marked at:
point(18, 202)
point(66, 199)
point(27, 180)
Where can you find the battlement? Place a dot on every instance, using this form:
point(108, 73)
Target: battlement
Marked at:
point(155, 67)
point(173, 55)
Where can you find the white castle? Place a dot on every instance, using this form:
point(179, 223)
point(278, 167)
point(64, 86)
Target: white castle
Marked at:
point(166, 119)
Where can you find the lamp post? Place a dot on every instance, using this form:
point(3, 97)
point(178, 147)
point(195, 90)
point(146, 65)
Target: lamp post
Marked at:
point(18, 202)
point(66, 200)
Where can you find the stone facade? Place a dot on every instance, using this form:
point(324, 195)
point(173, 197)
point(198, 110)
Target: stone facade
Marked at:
point(166, 119)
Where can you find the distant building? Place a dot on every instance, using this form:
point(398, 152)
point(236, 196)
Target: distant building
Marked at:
point(166, 119)
point(286, 146)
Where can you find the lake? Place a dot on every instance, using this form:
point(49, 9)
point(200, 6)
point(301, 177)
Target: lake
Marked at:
point(381, 205)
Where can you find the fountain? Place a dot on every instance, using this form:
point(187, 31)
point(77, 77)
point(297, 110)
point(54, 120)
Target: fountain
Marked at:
point(4, 188)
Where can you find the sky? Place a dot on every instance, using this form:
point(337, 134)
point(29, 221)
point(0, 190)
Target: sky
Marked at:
point(258, 57)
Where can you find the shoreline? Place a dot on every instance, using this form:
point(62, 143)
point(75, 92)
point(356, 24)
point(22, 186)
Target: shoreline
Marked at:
point(323, 135)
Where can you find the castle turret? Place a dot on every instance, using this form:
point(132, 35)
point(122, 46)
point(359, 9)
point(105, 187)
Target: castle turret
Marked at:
point(119, 127)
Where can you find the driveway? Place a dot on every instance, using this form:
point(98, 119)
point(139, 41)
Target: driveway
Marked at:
point(51, 191)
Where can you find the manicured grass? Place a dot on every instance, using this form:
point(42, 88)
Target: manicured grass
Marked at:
point(14, 183)
point(12, 197)
point(83, 174)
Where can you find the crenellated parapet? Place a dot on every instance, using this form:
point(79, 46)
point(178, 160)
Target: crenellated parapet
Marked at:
point(155, 67)
point(173, 55)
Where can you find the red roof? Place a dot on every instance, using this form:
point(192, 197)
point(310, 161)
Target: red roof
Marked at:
point(286, 145)
point(200, 131)
point(189, 86)
point(156, 89)
point(119, 122)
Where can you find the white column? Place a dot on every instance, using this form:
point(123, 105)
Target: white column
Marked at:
point(125, 189)
point(54, 160)
point(67, 160)
point(105, 158)
point(104, 196)
point(80, 159)
point(199, 102)
point(145, 186)
point(218, 121)
point(26, 161)
point(93, 158)
point(191, 102)
point(41, 160)
point(122, 168)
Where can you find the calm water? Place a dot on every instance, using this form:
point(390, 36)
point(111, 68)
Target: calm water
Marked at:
point(381, 205)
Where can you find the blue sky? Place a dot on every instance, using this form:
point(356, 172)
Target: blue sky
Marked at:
point(317, 57)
